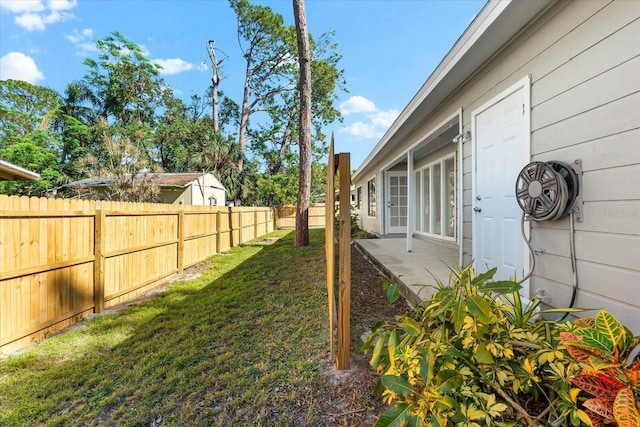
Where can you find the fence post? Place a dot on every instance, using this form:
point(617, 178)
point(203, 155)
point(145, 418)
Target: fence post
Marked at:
point(98, 265)
point(231, 240)
point(275, 217)
point(255, 223)
point(180, 239)
point(344, 269)
point(241, 225)
point(218, 233)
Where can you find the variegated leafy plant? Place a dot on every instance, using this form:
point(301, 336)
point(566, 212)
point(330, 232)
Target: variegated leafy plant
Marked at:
point(609, 355)
point(469, 357)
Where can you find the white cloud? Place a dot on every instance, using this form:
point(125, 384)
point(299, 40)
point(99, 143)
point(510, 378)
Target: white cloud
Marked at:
point(35, 15)
point(83, 40)
point(18, 66)
point(357, 104)
point(30, 22)
point(22, 6)
point(173, 66)
point(374, 127)
point(384, 119)
point(374, 122)
point(62, 4)
point(79, 36)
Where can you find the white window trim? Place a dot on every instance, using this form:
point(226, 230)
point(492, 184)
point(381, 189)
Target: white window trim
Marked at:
point(419, 221)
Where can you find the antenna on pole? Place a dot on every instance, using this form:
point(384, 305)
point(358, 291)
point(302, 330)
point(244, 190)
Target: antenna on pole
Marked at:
point(215, 80)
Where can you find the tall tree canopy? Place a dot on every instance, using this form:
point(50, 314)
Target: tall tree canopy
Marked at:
point(122, 105)
point(26, 139)
point(270, 110)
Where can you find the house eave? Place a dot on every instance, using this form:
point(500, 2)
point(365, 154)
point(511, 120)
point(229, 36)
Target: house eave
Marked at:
point(498, 23)
point(11, 172)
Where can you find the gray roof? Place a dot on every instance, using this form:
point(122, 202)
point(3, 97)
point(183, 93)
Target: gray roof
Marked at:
point(162, 180)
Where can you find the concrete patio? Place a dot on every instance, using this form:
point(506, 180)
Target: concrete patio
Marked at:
point(413, 270)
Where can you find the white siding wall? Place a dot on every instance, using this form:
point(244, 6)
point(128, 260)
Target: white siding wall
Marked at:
point(201, 192)
point(584, 61)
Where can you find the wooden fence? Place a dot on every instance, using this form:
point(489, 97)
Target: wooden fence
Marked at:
point(286, 217)
point(61, 259)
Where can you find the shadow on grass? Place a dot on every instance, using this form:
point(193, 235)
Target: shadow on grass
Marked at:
point(238, 346)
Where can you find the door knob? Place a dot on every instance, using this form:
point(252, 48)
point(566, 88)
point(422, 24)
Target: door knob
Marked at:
point(477, 209)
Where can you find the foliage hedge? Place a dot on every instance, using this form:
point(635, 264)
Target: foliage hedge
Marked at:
point(474, 355)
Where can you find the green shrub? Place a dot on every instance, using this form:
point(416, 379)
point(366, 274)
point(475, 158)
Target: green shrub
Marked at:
point(471, 356)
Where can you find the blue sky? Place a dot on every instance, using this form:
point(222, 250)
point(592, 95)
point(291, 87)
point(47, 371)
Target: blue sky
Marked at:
point(389, 47)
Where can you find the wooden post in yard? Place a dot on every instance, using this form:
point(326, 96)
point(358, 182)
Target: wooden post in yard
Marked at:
point(344, 268)
point(328, 246)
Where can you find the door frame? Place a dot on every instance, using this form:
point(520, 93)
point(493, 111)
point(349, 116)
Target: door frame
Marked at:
point(387, 192)
point(523, 85)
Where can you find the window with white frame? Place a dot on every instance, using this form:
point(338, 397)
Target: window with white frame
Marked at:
point(359, 198)
point(436, 198)
point(371, 197)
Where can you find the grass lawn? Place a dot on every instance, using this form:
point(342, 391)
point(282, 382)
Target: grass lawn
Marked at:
point(238, 346)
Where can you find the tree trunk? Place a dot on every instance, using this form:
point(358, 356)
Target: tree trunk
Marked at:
point(214, 97)
point(244, 120)
point(215, 81)
point(304, 130)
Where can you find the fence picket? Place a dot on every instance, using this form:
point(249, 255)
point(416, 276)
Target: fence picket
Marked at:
point(62, 259)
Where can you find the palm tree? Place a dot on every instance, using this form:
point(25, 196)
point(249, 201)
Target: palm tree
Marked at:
point(219, 155)
point(72, 119)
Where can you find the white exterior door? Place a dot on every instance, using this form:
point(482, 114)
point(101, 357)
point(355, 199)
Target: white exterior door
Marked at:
point(501, 130)
point(396, 202)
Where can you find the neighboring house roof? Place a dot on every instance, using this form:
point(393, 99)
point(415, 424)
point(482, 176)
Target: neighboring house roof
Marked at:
point(491, 30)
point(162, 180)
point(11, 172)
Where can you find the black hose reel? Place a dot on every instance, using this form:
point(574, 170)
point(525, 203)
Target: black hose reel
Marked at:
point(548, 191)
